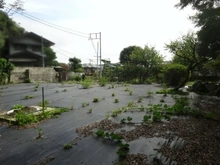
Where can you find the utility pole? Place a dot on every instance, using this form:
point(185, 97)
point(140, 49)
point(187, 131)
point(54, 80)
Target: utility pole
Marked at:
point(42, 51)
point(95, 36)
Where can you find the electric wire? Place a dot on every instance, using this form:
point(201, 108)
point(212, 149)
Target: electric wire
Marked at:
point(49, 24)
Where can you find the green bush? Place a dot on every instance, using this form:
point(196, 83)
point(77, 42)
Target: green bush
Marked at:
point(76, 78)
point(87, 83)
point(174, 74)
point(103, 81)
point(27, 80)
point(22, 118)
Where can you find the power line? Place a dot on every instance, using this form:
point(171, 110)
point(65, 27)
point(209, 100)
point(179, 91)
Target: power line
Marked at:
point(50, 24)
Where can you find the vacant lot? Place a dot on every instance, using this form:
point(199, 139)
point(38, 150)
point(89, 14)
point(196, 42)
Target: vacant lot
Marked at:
point(163, 142)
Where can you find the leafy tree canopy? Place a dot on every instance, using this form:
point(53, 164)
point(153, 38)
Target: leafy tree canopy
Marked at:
point(125, 54)
point(5, 70)
point(11, 8)
point(50, 59)
point(198, 4)
point(209, 34)
point(8, 28)
point(75, 64)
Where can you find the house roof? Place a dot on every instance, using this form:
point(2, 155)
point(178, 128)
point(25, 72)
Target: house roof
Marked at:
point(89, 65)
point(46, 42)
point(26, 53)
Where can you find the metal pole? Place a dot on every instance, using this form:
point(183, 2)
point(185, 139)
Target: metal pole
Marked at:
point(42, 51)
point(43, 98)
point(97, 59)
point(100, 54)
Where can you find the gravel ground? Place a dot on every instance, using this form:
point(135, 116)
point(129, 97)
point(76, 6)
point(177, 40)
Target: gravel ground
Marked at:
point(201, 136)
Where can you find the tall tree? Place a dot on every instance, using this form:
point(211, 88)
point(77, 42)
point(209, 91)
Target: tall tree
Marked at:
point(5, 70)
point(209, 34)
point(198, 4)
point(11, 8)
point(126, 53)
point(144, 63)
point(75, 63)
point(8, 28)
point(185, 48)
point(50, 59)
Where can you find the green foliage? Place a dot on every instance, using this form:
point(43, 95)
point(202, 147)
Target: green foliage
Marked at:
point(84, 104)
point(67, 146)
point(75, 63)
point(46, 103)
point(113, 95)
point(129, 119)
point(150, 94)
point(174, 74)
point(90, 110)
point(130, 93)
point(140, 99)
point(87, 83)
point(143, 63)
point(29, 97)
point(126, 53)
point(146, 119)
point(116, 101)
point(27, 80)
point(18, 106)
point(103, 81)
point(123, 150)
point(95, 100)
point(100, 133)
point(50, 59)
point(40, 133)
point(123, 121)
point(65, 90)
point(166, 91)
point(5, 70)
point(76, 78)
point(132, 104)
point(22, 118)
point(116, 112)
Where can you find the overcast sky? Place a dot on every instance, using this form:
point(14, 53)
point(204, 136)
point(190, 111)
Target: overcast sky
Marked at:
point(122, 23)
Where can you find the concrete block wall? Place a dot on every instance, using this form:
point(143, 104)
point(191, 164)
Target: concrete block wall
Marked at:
point(36, 74)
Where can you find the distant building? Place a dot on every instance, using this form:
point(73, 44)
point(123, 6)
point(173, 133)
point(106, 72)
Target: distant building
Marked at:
point(90, 69)
point(27, 50)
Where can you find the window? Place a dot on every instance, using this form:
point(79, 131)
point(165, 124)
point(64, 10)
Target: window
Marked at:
point(36, 48)
point(20, 47)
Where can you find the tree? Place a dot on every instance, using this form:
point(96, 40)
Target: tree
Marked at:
point(5, 70)
point(11, 8)
point(209, 34)
point(75, 64)
point(50, 59)
point(144, 63)
point(185, 48)
point(198, 4)
point(8, 28)
point(126, 53)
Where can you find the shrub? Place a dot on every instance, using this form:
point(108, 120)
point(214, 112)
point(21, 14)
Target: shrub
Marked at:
point(76, 78)
point(87, 83)
point(103, 81)
point(174, 74)
point(22, 118)
point(27, 80)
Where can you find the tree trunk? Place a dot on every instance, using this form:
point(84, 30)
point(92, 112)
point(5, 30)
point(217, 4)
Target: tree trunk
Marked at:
point(186, 78)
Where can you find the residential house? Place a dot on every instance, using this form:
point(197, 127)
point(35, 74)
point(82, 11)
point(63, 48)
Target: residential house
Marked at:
point(27, 50)
point(90, 69)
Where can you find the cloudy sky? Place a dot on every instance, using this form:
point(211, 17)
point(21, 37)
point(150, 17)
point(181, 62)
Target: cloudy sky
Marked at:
point(122, 23)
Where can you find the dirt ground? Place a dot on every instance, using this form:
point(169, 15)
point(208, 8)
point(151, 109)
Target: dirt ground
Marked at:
point(181, 140)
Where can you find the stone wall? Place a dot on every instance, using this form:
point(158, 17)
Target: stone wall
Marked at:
point(35, 74)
